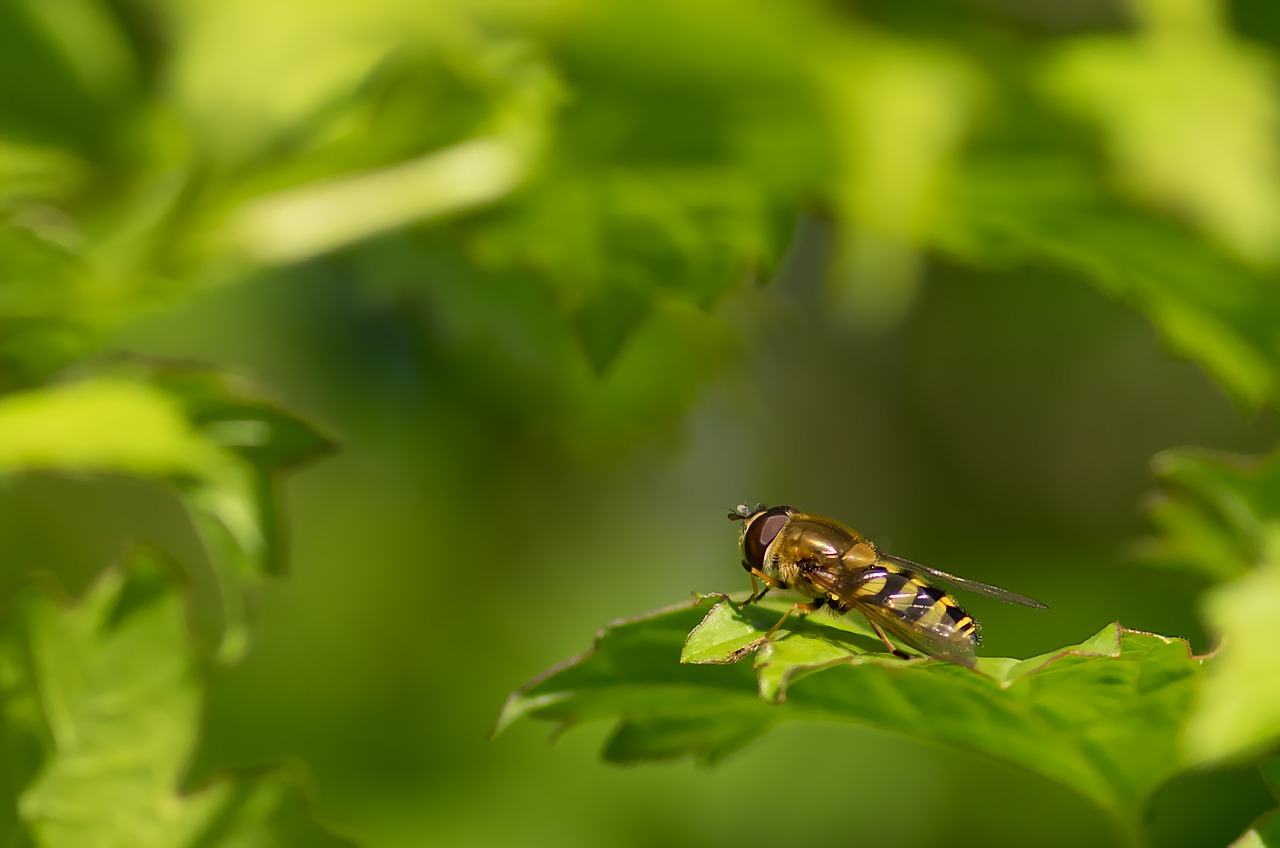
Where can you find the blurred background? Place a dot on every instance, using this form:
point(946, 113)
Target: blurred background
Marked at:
point(566, 280)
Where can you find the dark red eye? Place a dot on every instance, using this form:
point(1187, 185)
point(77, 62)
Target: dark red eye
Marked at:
point(760, 532)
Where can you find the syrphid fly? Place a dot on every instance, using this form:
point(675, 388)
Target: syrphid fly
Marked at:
point(840, 568)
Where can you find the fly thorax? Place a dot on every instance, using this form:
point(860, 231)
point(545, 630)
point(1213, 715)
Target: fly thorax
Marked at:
point(861, 555)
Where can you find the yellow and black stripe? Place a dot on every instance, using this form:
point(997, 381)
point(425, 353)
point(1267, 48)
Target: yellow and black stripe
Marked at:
point(917, 606)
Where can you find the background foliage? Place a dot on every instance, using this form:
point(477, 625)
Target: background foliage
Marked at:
point(561, 280)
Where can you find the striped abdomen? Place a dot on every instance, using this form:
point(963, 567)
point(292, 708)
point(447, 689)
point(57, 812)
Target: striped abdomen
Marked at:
point(906, 605)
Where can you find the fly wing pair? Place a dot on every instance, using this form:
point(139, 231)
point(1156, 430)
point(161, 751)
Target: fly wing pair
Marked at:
point(966, 584)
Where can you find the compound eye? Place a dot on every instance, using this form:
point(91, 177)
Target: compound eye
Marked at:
point(761, 531)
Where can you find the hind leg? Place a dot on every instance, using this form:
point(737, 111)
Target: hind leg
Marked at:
point(883, 638)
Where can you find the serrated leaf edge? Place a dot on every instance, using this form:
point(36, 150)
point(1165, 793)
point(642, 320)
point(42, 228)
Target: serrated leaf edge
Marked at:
point(517, 704)
point(512, 709)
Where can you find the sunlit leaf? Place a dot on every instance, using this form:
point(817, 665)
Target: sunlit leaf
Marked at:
point(1180, 89)
point(312, 219)
point(103, 425)
point(204, 434)
point(1239, 711)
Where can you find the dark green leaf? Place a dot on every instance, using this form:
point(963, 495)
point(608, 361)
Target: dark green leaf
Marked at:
point(1265, 832)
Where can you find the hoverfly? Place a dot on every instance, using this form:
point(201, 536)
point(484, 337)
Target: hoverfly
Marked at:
point(840, 568)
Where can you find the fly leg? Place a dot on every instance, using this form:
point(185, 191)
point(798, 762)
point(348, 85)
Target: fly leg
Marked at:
point(756, 592)
point(883, 638)
point(812, 607)
point(774, 583)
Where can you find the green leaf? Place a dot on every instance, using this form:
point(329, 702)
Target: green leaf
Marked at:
point(899, 113)
point(1213, 511)
point(1102, 718)
point(109, 693)
point(264, 440)
point(1265, 831)
point(1181, 88)
point(312, 219)
point(635, 663)
point(1220, 516)
point(206, 435)
point(1043, 209)
point(103, 425)
point(1239, 711)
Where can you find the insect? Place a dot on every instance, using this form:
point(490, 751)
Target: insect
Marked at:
point(840, 568)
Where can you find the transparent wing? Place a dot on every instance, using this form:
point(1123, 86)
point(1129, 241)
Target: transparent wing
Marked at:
point(924, 617)
point(940, 640)
point(966, 584)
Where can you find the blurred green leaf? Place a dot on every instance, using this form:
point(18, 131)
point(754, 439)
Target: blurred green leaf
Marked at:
point(1181, 89)
point(103, 425)
point(1220, 516)
point(1254, 838)
point(1239, 710)
point(300, 223)
point(1102, 718)
point(35, 173)
point(900, 111)
point(611, 248)
point(1265, 832)
point(112, 692)
point(235, 415)
point(205, 434)
point(82, 63)
point(1041, 209)
point(317, 56)
point(1213, 512)
point(556, 199)
point(89, 43)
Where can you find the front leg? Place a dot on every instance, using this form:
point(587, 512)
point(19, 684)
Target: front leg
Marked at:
point(756, 592)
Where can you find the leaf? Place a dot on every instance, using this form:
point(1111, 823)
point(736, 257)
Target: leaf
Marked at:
point(899, 114)
point(1181, 88)
point(1239, 710)
point(1265, 831)
point(102, 425)
point(110, 694)
point(206, 435)
point(635, 664)
point(1041, 209)
point(309, 220)
point(232, 413)
point(1102, 717)
point(1220, 515)
point(1212, 512)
